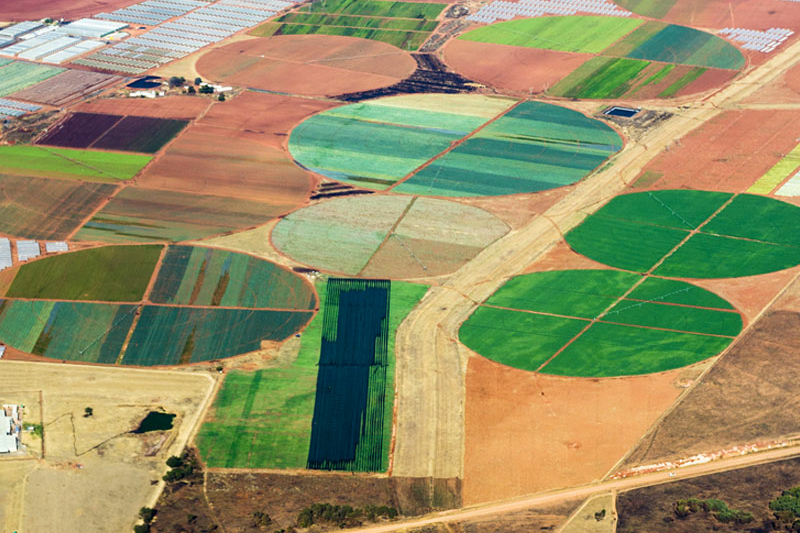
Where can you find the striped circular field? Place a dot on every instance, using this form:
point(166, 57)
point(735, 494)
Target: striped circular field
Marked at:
point(692, 234)
point(150, 305)
point(600, 323)
point(387, 236)
point(594, 57)
point(453, 145)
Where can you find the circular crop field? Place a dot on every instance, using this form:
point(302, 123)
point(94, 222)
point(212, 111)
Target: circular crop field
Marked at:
point(453, 145)
point(692, 234)
point(318, 65)
point(594, 57)
point(600, 323)
point(150, 305)
point(387, 236)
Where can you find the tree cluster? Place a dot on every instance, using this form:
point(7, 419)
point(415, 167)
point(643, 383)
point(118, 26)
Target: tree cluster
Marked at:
point(716, 508)
point(342, 515)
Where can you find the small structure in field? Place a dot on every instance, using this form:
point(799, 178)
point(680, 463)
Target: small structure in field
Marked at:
point(9, 428)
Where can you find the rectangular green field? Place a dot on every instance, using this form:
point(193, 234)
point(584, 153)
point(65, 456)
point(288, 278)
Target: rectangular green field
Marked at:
point(405, 40)
point(352, 21)
point(205, 276)
point(41, 208)
point(518, 339)
point(676, 317)
point(71, 164)
point(109, 273)
point(376, 8)
point(263, 419)
point(677, 292)
point(775, 175)
point(614, 350)
point(682, 82)
point(599, 238)
point(570, 34)
point(709, 256)
point(578, 293)
point(600, 77)
point(18, 75)
point(633, 40)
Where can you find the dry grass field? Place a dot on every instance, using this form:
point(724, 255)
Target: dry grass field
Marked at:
point(94, 475)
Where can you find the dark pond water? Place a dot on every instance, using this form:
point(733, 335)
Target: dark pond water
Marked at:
point(155, 421)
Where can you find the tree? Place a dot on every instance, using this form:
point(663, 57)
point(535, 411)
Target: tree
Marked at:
point(198, 81)
point(87, 412)
point(147, 514)
point(177, 81)
point(141, 528)
point(206, 89)
point(221, 98)
point(174, 462)
point(191, 90)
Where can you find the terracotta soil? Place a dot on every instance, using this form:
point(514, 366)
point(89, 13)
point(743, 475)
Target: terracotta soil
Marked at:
point(751, 14)
point(264, 118)
point(562, 257)
point(528, 432)
point(513, 68)
point(177, 107)
point(237, 150)
point(750, 295)
point(517, 209)
point(734, 149)
point(316, 65)
point(17, 10)
point(710, 79)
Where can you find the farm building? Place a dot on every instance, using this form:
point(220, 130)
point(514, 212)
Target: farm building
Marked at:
point(9, 429)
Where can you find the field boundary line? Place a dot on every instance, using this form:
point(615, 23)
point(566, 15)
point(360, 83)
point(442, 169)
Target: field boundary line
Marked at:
point(455, 144)
point(388, 234)
point(100, 206)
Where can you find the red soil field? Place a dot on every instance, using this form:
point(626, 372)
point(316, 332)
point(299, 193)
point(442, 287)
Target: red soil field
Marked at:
point(513, 68)
point(751, 294)
point(181, 107)
point(734, 149)
point(527, 432)
point(751, 14)
point(561, 257)
point(66, 87)
point(264, 118)
point(517, 209)
point(318, 65)
point(237, 150)
point(18, 10)
point(785, 89)
point(710, 79)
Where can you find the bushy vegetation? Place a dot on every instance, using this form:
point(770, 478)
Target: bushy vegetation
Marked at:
point(342, 515)
point(716, 508)
point(787, 508)
point(181, 467)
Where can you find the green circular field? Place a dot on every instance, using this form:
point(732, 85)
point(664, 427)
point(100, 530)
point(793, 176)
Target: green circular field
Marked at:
point(453, 145)
point(147, 305)
point(387, 236)
point(692, 234)
point(600, 323)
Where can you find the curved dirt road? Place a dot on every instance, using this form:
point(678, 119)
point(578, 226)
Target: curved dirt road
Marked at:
point(431, 364)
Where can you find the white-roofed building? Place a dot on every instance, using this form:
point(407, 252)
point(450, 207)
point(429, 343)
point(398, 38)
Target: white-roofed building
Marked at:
point(9, 429)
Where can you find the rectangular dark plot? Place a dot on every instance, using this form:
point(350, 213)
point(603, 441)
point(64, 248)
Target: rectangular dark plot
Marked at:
point(347, 428)
point(140, 134)
point(79, 130)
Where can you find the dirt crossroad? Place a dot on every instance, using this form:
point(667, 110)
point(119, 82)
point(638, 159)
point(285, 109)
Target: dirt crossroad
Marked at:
point(431, 364)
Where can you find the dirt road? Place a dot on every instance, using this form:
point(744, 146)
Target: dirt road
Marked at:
point(431, 365)
point(585, 491)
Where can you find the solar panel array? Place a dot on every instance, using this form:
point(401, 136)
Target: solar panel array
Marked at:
point(210, 23)
point(27, 250)
point(14, 31)
point(151, 12)
point(502, 10)
point(5, 253)
point(13, 108)
point(58, 246)
point(92, 28)
point(762, 41)
point(73, 51)
point(58, 44)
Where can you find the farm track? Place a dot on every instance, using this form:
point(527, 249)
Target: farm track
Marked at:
point(431, 364)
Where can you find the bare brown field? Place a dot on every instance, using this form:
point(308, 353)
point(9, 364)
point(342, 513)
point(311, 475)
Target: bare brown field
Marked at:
point(650, 509)
point(527, 432)
point(317, 65)
point(734, 149)
point(92, 465)
point(176, 107)
point(514, 68)
point(749, 396)
point(759, 14)
point(517, 210)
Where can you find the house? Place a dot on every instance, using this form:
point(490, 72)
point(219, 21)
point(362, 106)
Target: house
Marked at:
point(9, 429)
